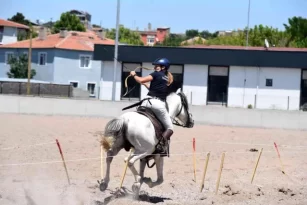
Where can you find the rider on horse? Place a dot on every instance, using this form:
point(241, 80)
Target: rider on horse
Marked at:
point(159, 80)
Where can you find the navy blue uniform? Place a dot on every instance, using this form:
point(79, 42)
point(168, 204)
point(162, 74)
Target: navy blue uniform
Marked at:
point(158, 86)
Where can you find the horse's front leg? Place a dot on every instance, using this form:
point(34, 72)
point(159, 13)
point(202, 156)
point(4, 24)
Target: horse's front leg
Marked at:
point(104, 183)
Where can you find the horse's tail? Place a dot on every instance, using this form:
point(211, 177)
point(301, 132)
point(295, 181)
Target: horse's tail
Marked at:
point(114, 129)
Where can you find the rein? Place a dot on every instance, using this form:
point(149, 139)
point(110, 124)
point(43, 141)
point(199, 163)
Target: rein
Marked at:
point(126, 80)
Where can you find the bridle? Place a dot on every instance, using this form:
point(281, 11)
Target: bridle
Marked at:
point(190, 122)
point(126, 80)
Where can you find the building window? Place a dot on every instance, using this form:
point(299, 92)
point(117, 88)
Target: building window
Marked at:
point(74, 84)
point(42, 58)
point(91, 88)
point(1, 33)
point(85, 61)
point(150, 40)
point(269, 82)
point(8, 56)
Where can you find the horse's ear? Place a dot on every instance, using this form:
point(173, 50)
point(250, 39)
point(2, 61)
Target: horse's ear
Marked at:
point(178, 91)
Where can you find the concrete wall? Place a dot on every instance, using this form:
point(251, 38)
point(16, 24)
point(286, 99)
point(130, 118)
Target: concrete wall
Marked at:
point(247, 85)
point(9, 35)
point(43, 72)
point(201, 114)
point(107, 72)
point(67, 69)
point(195, 80)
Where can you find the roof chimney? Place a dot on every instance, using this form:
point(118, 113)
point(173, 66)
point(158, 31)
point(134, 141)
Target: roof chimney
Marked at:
point(101, 34)
point(63, 32)
point(42, 33)
point(149, 26)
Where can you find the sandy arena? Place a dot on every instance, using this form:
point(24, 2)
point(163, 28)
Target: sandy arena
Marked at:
point(34, 175)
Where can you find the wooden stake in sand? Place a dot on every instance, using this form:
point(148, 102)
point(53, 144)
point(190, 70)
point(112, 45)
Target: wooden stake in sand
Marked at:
point(282, 166)
point(220, 173)
point(101, 162)
point(194, 160)
point(204, 174)
point(256, 165)
point(59, 146)
point(125, 170)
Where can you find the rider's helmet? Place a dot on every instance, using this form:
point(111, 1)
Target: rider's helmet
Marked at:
point(162, 62)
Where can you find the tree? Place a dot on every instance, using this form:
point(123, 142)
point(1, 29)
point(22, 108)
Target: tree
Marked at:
point(20, 18)
point(191, 33)
point(19, 67)
point(297, 31)
point(256, 37)
point(172, 40)
point(68, 21)
point(125, 36)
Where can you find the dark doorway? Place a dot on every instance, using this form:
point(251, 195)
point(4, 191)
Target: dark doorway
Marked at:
point(177, 72)
point(304, 88)
point(134, 88)
point(217, 85)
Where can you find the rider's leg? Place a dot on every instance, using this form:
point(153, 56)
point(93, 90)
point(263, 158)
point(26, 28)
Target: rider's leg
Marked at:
point(159, 108)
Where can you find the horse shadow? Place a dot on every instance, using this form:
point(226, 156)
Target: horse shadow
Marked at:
point(128, 194)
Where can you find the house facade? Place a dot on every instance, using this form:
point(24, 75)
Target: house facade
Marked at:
point(150, 37)
point(84, 17)
point(228, 76)
point(66, 57)
point(9, 31)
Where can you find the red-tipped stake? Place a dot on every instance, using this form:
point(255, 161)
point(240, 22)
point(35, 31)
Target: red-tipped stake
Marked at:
point(282, 166)
point(59, 146)
point(194, 160)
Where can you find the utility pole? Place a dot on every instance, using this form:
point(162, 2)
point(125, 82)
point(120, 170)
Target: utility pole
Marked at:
point(116, 51)
point(249, 2)
point(29, 62)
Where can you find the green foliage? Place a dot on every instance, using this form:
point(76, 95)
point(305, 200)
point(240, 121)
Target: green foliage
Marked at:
point(22, 35)
point(19, 67)
point(297, 31)
point(256, 37)
point(191, 33)
point(68, 21)
point(172, 40)
point(125, 36)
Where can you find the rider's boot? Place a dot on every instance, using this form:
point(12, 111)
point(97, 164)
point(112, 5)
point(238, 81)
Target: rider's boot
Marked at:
point(166, 137)
point(167, 134)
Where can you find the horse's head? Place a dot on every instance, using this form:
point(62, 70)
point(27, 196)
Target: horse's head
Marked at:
point(179, 108)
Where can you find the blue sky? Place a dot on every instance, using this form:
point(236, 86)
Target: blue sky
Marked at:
point(180, 15)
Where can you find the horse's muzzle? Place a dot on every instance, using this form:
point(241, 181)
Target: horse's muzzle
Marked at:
point(190, 122)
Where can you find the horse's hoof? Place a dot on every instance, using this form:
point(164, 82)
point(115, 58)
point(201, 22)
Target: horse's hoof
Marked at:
point(148, 181)
point(136, 188)
point(103, 186)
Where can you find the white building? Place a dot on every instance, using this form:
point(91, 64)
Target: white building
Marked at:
point(274, 78)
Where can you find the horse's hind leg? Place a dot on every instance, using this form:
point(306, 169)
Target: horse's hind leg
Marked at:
point(142, 168)
point(137, 184)
point(104, 183)
point(159, 165)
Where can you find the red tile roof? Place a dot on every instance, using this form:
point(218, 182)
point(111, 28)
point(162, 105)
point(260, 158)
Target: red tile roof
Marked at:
point(246, 48)
point(83, 41)
point(7, 23)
